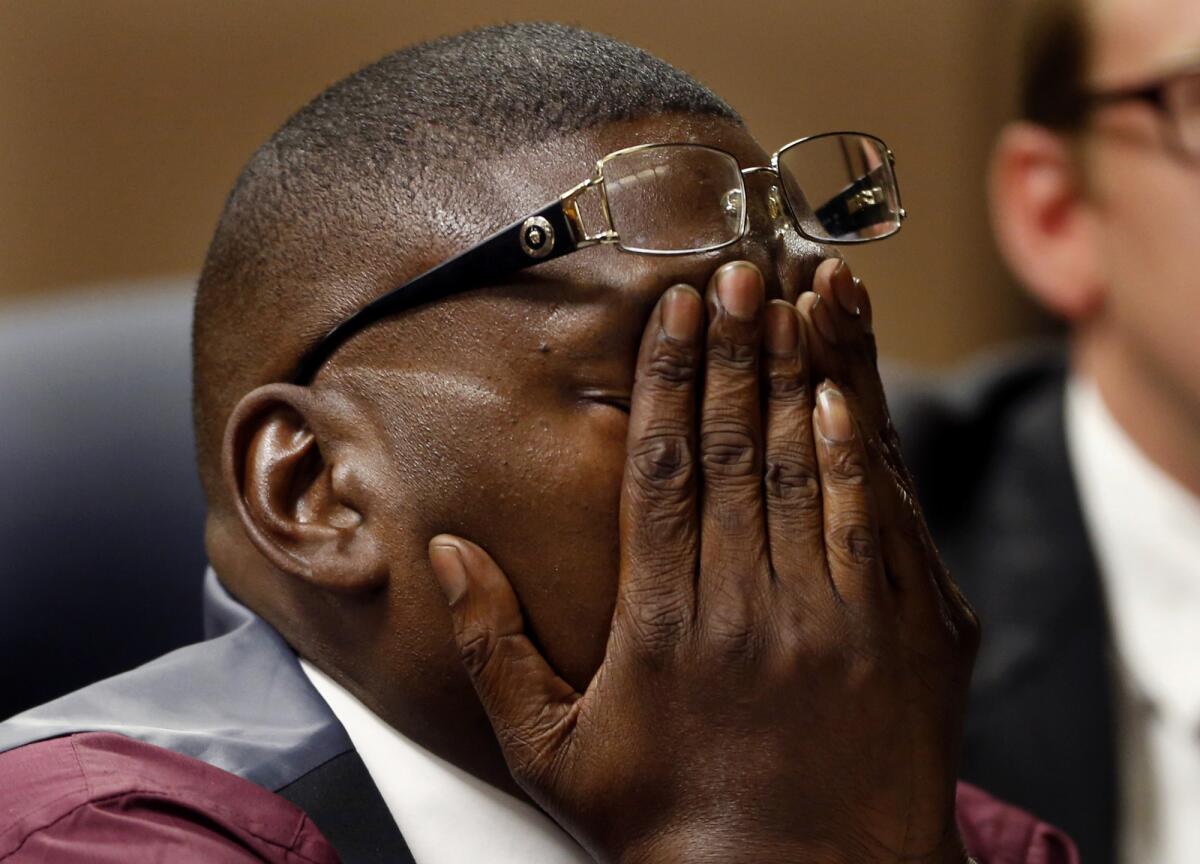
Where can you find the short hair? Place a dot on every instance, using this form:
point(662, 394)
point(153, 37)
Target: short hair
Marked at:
point(356, 172)
point(1055, 57)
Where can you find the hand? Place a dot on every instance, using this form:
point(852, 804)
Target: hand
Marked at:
point(787, 666)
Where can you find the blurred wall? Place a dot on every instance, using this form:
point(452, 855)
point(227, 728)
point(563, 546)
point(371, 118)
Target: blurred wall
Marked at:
point(123, 123)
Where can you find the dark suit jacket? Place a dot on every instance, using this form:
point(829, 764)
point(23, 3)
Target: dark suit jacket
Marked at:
point(988, 449)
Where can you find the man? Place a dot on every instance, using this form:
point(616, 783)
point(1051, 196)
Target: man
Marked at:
point(1065, 492)
point(770, 663)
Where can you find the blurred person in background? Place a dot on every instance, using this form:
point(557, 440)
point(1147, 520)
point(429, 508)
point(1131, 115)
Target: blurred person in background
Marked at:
point(1064, 487)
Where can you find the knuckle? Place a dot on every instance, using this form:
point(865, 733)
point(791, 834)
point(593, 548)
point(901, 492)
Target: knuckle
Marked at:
point(793, 479)
point(725, 353)
point(819, 646)
point(786, 385)
point(486, 653)
point(735, 643)
point(662, 519)
point(477, 646)
point(671, 367)
point(662, 461)
point(846, 465)
point(729, 628)
point(655, 620)
point(728, 448)
point(853, 541)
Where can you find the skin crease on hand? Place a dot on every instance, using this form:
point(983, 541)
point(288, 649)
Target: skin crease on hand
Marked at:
point(498, 415)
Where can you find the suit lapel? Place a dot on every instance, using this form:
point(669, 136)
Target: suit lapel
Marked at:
point(991, 459)
point(342, 800)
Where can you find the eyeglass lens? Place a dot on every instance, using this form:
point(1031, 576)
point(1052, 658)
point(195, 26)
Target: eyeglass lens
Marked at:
point(674, 198)
point(841, 188)
point(678, 198)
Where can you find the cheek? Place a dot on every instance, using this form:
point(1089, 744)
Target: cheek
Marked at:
point(534, 478)
point(1136, 220)
point(557, 532)
point(1152, 259)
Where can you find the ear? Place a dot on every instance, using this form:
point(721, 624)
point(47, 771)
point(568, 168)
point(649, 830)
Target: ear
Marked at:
point(1044, 223)
point(298, 487)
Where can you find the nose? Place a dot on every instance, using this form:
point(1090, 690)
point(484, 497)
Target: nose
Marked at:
point(771, 242)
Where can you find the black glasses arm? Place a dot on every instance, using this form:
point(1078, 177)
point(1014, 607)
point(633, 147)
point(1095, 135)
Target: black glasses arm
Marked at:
point(1153, 94)
point(539, 237)
point(860, 205)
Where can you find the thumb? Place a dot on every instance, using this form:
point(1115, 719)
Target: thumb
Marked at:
point(528, 704)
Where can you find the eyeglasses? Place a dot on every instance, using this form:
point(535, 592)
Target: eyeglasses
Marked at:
point(1177, 98)
point(666, 199)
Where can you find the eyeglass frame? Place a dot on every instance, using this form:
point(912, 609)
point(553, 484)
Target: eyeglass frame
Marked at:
point(558, 229)
point(1154, 93)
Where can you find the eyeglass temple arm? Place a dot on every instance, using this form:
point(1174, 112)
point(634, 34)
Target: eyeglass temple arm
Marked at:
point(861, 204)
point(541, 236)
point(1151, 93)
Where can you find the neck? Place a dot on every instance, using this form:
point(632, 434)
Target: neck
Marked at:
point(396, 670)
point(430, 703)
point(1159, 416)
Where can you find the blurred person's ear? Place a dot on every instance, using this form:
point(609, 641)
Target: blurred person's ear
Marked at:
point(299, 477)
point(1044, 224)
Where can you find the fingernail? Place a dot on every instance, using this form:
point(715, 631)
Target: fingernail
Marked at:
point(822, 319)
point(833, 417)
point(806, 301)
point(740, 290)
point(845, 290)
point(681, 313)
point(448, 568)
point(783, 330)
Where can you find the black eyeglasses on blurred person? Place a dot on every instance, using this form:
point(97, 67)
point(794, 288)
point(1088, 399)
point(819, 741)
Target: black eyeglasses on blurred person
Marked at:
point(1176, 95)
point(634, 200)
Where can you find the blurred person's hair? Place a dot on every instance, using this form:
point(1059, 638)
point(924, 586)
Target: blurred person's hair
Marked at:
point(1055, 54)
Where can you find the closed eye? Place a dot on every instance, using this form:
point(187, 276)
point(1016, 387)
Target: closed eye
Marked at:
point(612, 399)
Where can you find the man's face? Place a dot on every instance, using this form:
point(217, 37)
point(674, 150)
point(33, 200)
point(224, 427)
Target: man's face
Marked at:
point(1147, 199)
point(501, 415)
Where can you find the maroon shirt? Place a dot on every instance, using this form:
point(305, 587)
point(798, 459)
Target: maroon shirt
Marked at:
point(98, 797)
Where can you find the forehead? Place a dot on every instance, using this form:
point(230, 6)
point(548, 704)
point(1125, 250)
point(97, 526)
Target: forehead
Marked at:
point(1135, 39)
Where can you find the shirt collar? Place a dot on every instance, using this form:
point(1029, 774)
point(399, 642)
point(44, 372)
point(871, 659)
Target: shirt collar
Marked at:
point(1145, 529)
point(445, 814)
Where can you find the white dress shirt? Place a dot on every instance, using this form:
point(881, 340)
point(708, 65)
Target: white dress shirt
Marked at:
point(1145, 530)
point(446, 815)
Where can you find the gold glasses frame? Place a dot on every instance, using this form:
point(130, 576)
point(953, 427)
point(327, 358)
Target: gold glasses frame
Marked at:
point(870, 196)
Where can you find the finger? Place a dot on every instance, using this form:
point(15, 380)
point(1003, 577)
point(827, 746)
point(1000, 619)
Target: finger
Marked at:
point(841, 318)
point(845, 309)
point(852, 546)
point(528, 704)
point(734, 564)
point(815, 346)
point(793, 491)
point(658, 531)
point(848, 353)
